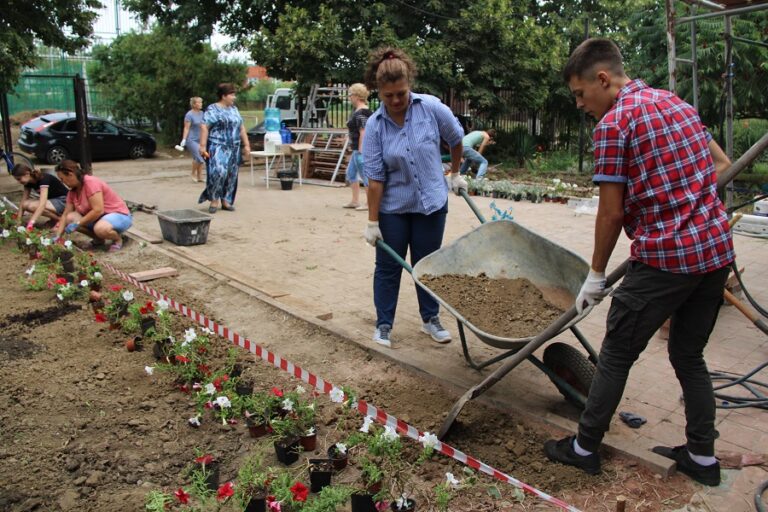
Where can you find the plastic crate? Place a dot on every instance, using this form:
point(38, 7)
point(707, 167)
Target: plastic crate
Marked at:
point(184, 227)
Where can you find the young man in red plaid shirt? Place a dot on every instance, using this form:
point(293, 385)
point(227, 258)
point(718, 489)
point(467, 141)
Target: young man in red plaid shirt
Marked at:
point(656, 166)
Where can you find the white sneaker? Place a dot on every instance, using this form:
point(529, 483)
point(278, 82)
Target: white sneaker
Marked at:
point(436, 330)
point(381, 335)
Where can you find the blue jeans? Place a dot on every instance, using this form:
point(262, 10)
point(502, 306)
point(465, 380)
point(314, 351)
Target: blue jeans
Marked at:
point(645, 299)
point(473, 157)
point(424, 235)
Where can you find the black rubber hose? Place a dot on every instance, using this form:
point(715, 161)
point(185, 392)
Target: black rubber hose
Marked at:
point(759, 503)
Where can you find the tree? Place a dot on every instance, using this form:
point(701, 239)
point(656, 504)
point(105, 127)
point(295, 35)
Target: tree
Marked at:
point(65, 24)
point(152, 76)
point(476, 48)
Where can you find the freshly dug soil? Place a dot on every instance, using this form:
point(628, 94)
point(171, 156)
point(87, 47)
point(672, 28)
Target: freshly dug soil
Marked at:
point(509, 308)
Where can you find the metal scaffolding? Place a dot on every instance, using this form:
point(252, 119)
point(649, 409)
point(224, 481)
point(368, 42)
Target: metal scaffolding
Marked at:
point(728, 9)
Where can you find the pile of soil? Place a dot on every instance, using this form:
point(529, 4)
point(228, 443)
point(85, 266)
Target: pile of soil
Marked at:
point(85, 428)
point(508, 308)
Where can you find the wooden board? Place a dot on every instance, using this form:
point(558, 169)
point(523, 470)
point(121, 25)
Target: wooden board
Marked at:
point(151, 239)
point(148, 275)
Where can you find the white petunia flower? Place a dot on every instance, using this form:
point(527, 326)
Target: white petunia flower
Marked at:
point(451, 480)
point(6, 233)
point(60, 296)
point(97, 276)
point(310, 432)
point(149, 369)
point(287, 404)
point(210, 388)
point(127, 295)
point(428, 440)
point(336, 395)
point(162, 305)
point(84, 283)
point(300, 389)
point(29, 241)
point(194, 421)
point(190, 335)
point(367, 422)
point(206, 331)
point(223, 402)
point(30, 270)
point(45, 242)
point(68, 244)
point(20, 229)
point(389, 434)
point(341, 448)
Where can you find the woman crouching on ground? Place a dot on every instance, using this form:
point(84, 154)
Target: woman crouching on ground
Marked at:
point(51, 194)
point(92, 208)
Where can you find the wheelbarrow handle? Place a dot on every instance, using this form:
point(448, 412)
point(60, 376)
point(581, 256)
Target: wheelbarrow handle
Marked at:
point(381, 244)
point(472, 205)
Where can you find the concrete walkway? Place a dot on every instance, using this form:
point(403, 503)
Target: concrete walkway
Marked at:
point(303, 250)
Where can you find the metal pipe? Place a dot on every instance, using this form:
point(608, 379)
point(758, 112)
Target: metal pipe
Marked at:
point(749, 41)
point(707, 3)
point(744, 161)
point(671, 53)
point(729, 12)
point(728, 103)
point(694, 68)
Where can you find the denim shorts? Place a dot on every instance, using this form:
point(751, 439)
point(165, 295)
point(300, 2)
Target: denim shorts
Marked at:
point(58, 203)
point(355, 171)
point(119, 221)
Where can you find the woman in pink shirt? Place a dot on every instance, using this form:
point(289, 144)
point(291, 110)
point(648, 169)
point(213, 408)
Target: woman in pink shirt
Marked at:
point(93, 208)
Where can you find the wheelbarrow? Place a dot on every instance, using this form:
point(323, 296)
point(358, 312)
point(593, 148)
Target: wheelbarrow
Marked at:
point(505, 249)
point(518, 354)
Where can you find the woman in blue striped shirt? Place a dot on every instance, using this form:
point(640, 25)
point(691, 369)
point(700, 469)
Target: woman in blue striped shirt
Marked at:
point(407, 190)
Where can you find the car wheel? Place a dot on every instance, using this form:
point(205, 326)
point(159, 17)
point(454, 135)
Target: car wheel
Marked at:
point(56, 155)
point(137, 151)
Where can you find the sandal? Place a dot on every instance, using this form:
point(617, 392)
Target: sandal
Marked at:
point(115, 247)
point(351, 205)
point(362, 208)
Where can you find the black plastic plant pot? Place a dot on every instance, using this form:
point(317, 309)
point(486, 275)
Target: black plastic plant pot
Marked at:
point(211, 475)
point(286, 184)
point(257, 430)
point(339, 459)
point(409, 505)
point(362, 503)
point(287, 451)
point(244, 388)
point(320, 471)
point(146, 325)
point(256, 505)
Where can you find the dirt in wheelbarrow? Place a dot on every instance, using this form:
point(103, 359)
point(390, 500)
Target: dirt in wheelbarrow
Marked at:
point(508, 308)
point(85, 428)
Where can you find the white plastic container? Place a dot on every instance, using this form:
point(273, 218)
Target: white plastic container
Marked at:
point(761, 208)
point(271, 140)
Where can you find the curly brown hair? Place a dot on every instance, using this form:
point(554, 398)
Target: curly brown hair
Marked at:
point(389, 64)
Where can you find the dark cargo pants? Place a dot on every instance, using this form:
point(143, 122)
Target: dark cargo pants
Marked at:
point(644, 300)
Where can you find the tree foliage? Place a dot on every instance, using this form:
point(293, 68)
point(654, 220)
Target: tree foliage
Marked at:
point(475, 48)
point(152, 76)
point(65, 24)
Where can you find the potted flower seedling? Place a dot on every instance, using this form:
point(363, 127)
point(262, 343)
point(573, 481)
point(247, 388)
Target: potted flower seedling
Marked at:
point(117, 302)
point(286, 433)
point(287, 493)
point(320, 471)
point(252, 485)
point(258, 409)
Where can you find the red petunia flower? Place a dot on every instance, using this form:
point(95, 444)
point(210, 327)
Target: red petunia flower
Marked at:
point(225, 377)
point(149, 306)
point(100, 318)
point(204, 369)
point(182, 359)
point(115, 287)
point(217, 383)
point(277, 392)
point(143, 310)
point(205, 459)
point(202, 350)
point(225, 491)
point(61, 281)
point(182, 496)
point(184, 388)
point(299, 491)
point(208, 405)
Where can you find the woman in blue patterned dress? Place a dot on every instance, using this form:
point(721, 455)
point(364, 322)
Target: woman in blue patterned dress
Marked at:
point(191, 137)
point(224, 144)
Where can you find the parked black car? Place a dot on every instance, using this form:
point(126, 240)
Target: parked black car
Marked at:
point(53, 138)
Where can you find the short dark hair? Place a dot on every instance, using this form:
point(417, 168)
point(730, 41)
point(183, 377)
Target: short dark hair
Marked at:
point(71, 167)
point(21, 169)
point(224, 89)
point(491, 133)
point(589, 54)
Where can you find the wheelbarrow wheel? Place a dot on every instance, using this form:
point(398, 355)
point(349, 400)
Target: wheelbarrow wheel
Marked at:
point(574, 368)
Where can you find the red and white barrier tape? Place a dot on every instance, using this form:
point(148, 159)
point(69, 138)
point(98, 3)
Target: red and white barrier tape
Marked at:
point(326, 387)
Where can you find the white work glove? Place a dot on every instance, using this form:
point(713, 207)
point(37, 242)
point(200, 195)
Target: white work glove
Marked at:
point(458, 183)
point(372, 233)
point(183, 143)
point(592, 291)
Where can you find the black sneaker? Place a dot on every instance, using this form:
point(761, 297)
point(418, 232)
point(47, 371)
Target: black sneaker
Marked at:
point(562, 451)
point(707, 475)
